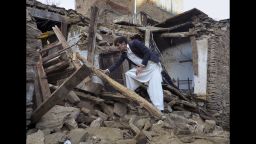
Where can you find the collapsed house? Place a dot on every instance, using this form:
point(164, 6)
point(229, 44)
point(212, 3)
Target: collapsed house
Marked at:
point(66, 97)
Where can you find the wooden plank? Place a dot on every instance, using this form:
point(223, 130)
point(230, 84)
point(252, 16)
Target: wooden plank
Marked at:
point(60, 37)
point(113, 96)
point(43, 82)
point(56, 67)
point(54, 55)
point(194, 55)
point(52, 62)
point(60, 93)
point(122, 89)
point(72, 97)
point(38, 95)
point(64, 29)
point(147, 37)
point(87, 97)
point(54, 77)
point(92, 34)
point(178, 34)
point(51, 46)
point(159, 29)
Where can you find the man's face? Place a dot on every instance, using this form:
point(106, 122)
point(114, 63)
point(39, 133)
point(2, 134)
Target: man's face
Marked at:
point(121, 46)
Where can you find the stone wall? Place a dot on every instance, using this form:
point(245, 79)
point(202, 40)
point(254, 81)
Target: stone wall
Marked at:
point(110, 9)
point(218, 74)
point(32, 57)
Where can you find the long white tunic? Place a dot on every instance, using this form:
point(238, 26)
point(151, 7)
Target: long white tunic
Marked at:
point(151, 74)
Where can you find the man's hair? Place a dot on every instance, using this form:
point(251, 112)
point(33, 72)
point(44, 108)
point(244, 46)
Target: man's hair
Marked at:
point(120, 40)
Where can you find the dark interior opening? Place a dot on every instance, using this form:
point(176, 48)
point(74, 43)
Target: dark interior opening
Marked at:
point(45, 25)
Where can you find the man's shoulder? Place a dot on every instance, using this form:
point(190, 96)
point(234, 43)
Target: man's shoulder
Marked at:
point(134, 42)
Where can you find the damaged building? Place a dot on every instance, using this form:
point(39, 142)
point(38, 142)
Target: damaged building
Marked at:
point(68, 98)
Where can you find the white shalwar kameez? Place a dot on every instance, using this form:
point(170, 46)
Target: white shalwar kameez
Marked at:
point(151, 74)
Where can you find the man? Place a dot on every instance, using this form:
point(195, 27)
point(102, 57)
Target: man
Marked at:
point(148, 68)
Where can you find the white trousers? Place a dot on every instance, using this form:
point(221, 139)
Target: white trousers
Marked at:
point(152, 75)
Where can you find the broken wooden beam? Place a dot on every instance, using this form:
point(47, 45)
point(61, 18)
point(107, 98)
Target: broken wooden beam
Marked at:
point(159, 29)
point(177, 34)
point(38, 95)
point(51, 46)
point(43, 82)
point(72, 97)
point(52, 62)
point(54, 77)
point(176, 92)
point(113, 96)
point(56, 67)
point(87, 97)
point(54, 55)
point(92, 34)
point(122, 89)
point(60, 93)
point(60, 37)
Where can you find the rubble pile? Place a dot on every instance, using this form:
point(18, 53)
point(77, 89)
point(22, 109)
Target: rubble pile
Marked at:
point(88, 114)
point(98, 119)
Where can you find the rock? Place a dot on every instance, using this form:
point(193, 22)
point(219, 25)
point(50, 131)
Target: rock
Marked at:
point(47, 131)
point(103, 43)
point(107, 109)
point(99, 37)
point(185, 114)
point(28, 113)
point(84, 119)
point(104, 30)
point(77, 135)
point(55, 138)
point(70, 123)
point(101, 114)
point(143, 123)
point(55, 117)
point(180, 119)
point(30, 131)
point(126, 141)
point(85, 110)
point(182, 124)
point(200, 104)
point(114, 124)
point(80, 118)
point(209, 126)
point(73, 98)
point(86, 104)
point(97, 122)
point(120, 109)
point(104, 133)
point(35, 138)
point(81, 125)
point(169, 108)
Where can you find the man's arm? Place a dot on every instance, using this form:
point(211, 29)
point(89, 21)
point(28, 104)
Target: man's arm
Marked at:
point(145, 51)
point(117, 64)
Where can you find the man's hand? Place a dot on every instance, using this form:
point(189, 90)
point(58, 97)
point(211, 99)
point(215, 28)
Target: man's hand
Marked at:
point(106, 71)
point(139, 69)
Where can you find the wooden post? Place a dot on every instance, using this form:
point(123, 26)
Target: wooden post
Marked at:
point(122, 89)
point(43, 82)
point(147, 37)
point(194, 55)
point(92, 34)
point(60, 93)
